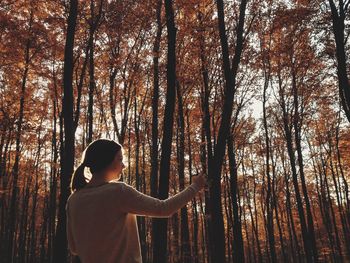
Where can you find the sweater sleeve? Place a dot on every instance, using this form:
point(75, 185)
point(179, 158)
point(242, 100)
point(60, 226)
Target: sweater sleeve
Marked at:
point(71, 243)
point(140, 204)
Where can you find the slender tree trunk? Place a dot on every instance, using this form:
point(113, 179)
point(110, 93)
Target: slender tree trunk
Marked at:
point(23, 225)
point(229, 218)
point(238, 246)
point(137, 123)
point(15, 169)
point(206, 146)
point(290, 220)
point(339, 205)
point(94, 22)
point(53, 176)
point(268, 201)
point(346, 187)
point(275, 207)
point(155, 99)
point(297, 124)
point(60, 242)
point(185, 233)
point(160, 242)
point(345, 220)
point(195, 240)
point(288, 136)
point(217, 225)
point(333, 224)
point(255, 226)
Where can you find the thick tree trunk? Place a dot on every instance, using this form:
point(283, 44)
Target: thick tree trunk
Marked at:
point(338, 20)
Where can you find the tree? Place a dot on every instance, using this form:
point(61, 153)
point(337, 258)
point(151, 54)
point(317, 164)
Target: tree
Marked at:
point(338, 20)
point(160, 238)
point(67, 160)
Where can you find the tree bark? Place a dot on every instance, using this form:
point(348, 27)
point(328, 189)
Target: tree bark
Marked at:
point(185, 233)
point(297, 124)
point(217, 225)
point(290, 148)
point(155, 99)
point(338, 22)
point(160, 242)
point(60, 242)
point(15, 169)
point(238, 246)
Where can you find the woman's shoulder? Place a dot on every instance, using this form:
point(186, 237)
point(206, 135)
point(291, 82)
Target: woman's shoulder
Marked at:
point(111, 187)
point(116, 185)
point(121, 187)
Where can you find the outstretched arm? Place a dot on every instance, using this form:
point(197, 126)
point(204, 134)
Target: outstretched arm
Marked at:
point(141, 204)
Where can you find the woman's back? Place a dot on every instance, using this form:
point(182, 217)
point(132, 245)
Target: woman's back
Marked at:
point(102, 220)
point(102, 231)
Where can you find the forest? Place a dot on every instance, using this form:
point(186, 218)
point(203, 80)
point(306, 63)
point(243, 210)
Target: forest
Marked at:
point(255, 93)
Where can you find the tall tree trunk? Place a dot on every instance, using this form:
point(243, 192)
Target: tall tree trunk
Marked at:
point(91, 86)
point(297, 124)
point(279, 217)
point(346, 186)
point(53, 175)
point(338, 255)
point(268, 201)
point(185, 233)
point(217, 225)
point(137, 123)
point(339, 203)
point(195, 239)
point(155, 99)
point(238, 246)
point(23, 225)
point(15, 168)
point(160, 242)
point(346, 217)
point(94, 22)
point(338, 20)
point(290, 149)
point(60, 242)
point(206, 147)
point(290, 220)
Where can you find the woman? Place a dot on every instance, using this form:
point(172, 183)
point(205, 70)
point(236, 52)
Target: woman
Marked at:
point(101, 214)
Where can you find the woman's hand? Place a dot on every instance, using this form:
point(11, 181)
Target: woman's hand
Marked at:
point(200, 179)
